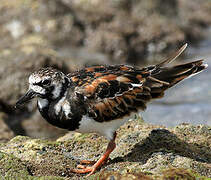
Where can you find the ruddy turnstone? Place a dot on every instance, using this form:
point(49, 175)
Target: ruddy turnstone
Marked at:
point(100, 99)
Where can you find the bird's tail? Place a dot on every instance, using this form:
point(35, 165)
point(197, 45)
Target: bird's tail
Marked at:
point(175, 74)
point(163, 77)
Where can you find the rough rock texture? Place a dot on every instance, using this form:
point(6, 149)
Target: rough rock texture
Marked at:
point(143, 151)
point(69, 34)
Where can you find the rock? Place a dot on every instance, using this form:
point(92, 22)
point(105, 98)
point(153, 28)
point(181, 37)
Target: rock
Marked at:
point(40, 157)
point(5, 132)
point(12, 167)
point(143, 151)
point(70, 34)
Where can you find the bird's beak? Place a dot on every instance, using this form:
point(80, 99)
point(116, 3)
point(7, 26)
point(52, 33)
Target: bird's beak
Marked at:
point(28, 96)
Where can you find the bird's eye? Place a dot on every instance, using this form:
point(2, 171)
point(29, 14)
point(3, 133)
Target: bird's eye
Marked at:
point(46, 82)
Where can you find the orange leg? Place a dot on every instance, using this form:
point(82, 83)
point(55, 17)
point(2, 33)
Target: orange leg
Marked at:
point(83, 169)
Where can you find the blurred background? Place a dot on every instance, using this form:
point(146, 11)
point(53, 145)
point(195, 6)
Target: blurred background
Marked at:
point(70, 34)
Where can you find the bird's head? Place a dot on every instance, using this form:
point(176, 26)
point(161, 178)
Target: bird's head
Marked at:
point(47, 83)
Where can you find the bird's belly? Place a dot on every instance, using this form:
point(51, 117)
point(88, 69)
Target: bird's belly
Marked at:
point(107, 129)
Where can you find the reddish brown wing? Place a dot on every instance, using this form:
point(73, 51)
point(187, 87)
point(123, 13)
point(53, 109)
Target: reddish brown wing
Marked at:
point(112, 91)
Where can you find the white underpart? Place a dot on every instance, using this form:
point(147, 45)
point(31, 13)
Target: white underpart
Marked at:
point(59, 105)
point(63, 105)
point(37, 89)
point(66, 108)
point(57, 90)
point(137, 85)
point(42, 103)
point(107, 129)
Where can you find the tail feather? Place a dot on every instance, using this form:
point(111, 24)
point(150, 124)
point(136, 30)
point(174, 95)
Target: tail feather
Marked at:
point(173, 56)
point(163, 78)
point(175, 74)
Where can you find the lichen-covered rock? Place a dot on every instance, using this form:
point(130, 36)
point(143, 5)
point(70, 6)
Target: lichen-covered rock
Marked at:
point(12, 167)
point(143, 151)
point(70, 34)
point(39, 156)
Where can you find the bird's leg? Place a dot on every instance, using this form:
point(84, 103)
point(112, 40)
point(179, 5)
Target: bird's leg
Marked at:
point(83, 169)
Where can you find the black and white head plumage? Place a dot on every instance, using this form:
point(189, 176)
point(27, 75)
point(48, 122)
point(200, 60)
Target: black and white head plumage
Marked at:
point(48, 83)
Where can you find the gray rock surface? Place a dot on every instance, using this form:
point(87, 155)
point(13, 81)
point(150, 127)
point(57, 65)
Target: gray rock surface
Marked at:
point(70, 34)
point(143, 150)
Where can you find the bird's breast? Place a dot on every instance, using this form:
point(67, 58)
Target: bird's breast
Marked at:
point(59, 113)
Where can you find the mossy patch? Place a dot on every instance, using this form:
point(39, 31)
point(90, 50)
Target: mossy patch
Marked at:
point(127, 176)
point(143, 151)
point(41, 156)
point(10, 166)
point(180, 174)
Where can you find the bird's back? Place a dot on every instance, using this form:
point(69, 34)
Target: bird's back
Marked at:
point(112, 92)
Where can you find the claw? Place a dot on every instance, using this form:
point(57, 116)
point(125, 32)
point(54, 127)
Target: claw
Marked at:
point(81, 166)
point(104, 158)
point(89, 170)
point(87, 162)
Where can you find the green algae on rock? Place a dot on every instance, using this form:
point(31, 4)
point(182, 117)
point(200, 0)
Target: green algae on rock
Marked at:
point(143, 151)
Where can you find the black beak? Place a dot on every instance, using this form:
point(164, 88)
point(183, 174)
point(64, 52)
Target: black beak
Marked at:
point(28, 96)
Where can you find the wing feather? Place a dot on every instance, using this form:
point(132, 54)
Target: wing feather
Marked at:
point(115, 91)
point(111, 91)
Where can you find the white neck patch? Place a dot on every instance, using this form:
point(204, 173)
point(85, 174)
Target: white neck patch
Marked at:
point(63, 105)
point(42, 103)
point(57, 90)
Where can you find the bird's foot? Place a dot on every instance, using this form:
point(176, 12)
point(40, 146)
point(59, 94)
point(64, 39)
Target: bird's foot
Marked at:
point(103, 159)
point(87, 162)
point(81, 168)
point(84, 169)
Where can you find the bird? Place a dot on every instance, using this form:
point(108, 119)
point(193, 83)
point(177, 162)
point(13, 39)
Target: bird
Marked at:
point(99, 99)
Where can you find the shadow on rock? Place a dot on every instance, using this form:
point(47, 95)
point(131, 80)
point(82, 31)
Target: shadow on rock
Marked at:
point(162, 140)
